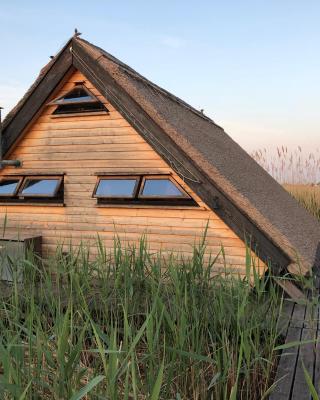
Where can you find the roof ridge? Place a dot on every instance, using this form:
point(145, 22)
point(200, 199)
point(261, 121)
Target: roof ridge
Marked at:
point(127, 69)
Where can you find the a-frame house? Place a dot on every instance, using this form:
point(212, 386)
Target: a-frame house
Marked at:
point(102, 150)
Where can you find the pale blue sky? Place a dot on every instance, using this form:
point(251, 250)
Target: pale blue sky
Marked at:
point(254, 66)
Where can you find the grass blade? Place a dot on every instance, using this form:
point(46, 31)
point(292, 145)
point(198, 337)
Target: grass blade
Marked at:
point(86, 389)
point(157, 386)
point(311, 387)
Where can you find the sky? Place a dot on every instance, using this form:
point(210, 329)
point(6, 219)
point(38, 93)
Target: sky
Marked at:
point(253, 66)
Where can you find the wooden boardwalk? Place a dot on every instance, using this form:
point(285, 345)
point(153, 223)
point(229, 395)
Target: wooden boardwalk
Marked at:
point(300, 323)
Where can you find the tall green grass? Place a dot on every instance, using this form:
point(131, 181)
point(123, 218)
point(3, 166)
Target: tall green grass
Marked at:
point(130, 325)
point(297, 170)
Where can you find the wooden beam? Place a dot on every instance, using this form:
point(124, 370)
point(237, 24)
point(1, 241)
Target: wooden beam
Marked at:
point(297, 269)
point(291, 289)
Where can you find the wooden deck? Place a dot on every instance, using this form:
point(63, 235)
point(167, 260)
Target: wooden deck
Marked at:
point(300, 323)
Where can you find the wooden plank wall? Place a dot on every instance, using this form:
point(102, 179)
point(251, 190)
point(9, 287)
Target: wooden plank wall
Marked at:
point(84, 145)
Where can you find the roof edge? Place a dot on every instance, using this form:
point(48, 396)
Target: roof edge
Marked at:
point(44, 70)
point(127, 69)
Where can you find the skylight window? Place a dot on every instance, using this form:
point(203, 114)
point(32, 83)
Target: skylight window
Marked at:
point(78, 100)
point(9, 187)
point(40, 187)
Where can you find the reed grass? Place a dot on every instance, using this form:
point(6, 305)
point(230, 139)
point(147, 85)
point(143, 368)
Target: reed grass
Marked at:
point(290, 167)
point(297, 171)
point(122, 326)
point(308, 196)
point(130, 325)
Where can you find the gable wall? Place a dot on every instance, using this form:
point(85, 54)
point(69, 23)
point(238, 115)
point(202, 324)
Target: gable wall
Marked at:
point(84, 145)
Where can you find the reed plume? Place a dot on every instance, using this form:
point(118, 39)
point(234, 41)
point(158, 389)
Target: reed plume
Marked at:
point(290, 167)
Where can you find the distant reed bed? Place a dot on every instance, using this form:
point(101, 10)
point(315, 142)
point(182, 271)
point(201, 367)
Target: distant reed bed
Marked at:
point(290, 166)
point(297, 170)
point(308, 196)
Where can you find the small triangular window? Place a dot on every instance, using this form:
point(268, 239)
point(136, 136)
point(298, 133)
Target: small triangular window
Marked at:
point(78, 100)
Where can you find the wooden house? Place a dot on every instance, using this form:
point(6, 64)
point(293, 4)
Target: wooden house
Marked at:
point(95, 148)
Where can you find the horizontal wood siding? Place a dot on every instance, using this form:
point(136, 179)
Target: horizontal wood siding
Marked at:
point(83, 146)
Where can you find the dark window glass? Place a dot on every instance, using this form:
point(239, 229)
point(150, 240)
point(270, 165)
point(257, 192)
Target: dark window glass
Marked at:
point(79, 108)
point(8, 187)
point(40, 187)
point(161, 188)
point(116, 188)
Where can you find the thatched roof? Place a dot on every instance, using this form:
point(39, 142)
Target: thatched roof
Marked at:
point(228, 172)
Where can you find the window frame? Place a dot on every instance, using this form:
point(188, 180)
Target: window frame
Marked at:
point(184, 196)
point(136, 201)
point(35, 200)
point(137, 178)
point(102, 110)
point(13, 178)
point(27, 178)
